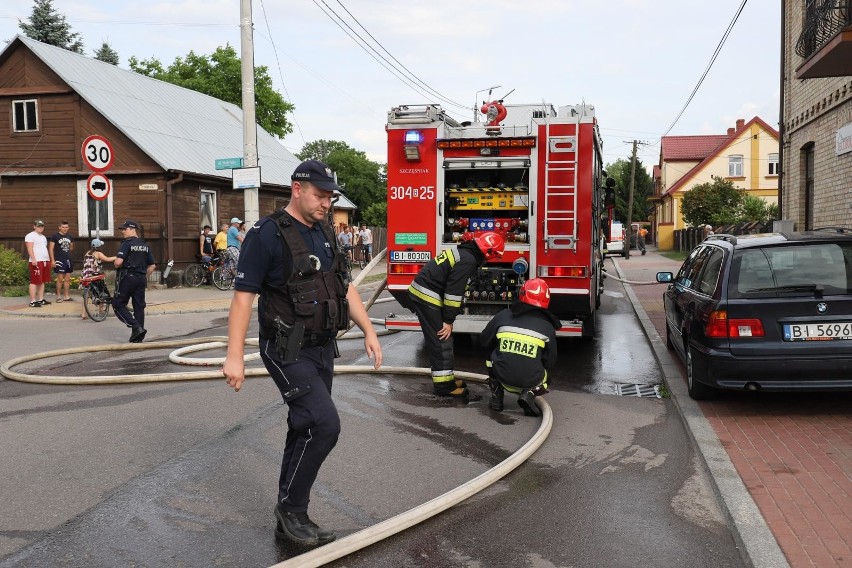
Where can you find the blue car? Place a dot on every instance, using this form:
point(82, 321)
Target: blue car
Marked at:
point(768, 312)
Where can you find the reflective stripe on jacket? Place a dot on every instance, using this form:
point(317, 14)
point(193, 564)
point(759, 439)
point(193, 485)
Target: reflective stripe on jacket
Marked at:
point(443, 281)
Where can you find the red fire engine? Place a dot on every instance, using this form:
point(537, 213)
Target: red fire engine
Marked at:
point(532, 173)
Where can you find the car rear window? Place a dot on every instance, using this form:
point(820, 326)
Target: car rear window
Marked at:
point(792, 270)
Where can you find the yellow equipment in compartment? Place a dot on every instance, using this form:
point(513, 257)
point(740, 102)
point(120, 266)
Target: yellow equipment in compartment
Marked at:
point(491, 198)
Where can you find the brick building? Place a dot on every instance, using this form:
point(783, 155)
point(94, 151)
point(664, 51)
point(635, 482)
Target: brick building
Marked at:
point(816, 113)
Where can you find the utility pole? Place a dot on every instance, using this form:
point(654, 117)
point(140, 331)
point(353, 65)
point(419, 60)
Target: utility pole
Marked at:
point(251, 198)
point(630, 199)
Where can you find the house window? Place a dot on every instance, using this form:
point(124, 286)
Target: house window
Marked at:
point(773, 164)
point(92, 214)
point(24, 116)
point(207, 208)
point(735, 166)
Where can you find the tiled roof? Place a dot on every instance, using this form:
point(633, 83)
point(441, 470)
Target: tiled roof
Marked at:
point(180, 129)
point(690, 147)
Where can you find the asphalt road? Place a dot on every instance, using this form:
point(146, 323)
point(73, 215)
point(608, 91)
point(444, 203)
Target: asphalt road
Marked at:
point(183, 474)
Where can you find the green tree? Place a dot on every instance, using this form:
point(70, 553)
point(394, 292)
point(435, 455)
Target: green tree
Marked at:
point(363, 181)
point(716, 203)
point(219, 75)
point(48, 26)
point(642, 188)
point(107, 54)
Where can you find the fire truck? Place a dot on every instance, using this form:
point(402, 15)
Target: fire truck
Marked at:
point(530, 172)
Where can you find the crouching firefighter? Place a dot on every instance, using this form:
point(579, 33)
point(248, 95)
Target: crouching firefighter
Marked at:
point(290, 259)
point(523, 337)
point(437, 293)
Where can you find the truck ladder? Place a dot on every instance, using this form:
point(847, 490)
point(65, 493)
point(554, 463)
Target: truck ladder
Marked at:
point(560, 189)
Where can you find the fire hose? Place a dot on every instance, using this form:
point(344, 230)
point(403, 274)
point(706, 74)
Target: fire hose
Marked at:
point(348, 544)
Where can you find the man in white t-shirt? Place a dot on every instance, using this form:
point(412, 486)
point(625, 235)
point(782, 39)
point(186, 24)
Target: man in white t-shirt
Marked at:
point(365, 239)
point(39, 263)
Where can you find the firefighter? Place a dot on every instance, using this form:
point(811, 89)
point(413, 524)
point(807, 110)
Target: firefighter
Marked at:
point(437, 293)
point(523, 337)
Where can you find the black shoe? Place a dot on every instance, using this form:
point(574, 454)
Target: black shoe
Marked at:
point(35, 304)
point(298, 528)
point(43, 302)
point(138, 334)
point(526, 400)
point(496, 402)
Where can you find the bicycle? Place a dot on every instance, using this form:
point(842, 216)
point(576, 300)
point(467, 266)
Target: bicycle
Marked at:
point(199, 272)
point(96, 297)
point(224, 274)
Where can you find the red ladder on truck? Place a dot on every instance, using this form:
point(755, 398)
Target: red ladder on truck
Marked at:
point(560, 189)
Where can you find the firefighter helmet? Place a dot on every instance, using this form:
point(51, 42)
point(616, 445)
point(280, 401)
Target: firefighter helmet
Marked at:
point(491, 244)
point(535, 292)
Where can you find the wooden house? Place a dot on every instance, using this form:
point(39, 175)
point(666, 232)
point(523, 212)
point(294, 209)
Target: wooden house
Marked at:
point(164, 141)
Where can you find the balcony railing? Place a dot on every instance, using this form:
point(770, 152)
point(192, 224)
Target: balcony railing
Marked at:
point(825, 19)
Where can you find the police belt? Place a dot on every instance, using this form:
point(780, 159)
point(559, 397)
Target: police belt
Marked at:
point(316, 340)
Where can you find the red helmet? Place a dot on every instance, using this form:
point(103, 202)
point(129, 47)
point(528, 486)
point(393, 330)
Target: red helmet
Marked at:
point(491, 244)
point(535, 292)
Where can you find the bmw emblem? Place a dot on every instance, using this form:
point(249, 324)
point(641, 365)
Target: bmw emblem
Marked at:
point(822, 307)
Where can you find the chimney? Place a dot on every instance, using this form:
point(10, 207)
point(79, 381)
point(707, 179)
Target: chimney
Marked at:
point(740, 124)
point(730, 132)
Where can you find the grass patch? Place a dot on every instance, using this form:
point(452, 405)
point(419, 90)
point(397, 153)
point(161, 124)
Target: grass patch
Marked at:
point(15, 291)
point(677, 255)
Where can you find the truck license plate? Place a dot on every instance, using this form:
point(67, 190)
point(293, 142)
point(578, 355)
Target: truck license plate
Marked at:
point(410, 256)
point(818, 331)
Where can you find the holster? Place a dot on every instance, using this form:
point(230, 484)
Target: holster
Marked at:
point(288, 339)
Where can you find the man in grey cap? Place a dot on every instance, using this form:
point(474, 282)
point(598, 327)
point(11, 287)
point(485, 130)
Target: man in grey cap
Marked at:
point(235, 240)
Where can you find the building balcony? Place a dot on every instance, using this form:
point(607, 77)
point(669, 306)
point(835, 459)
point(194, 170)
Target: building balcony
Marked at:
point(826, 40)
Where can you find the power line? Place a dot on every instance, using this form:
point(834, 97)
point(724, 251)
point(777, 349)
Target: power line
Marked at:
point(709, 65)
point(410, 73)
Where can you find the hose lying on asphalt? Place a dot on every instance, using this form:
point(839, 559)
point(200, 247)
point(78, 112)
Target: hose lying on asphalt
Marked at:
point(353, 542)
point(346, 545)
point(633, 282)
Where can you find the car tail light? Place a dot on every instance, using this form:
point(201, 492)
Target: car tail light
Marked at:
point(718, 325)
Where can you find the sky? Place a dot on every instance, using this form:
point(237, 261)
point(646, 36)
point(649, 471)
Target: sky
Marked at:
point(636, 61)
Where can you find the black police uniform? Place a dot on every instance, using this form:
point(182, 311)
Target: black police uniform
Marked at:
point(132, 280)
point(305, 383)
point(437, 293)
point(523, 338)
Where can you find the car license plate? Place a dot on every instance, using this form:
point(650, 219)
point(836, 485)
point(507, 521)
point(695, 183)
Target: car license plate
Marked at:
point(410, 256)
point(818, 331)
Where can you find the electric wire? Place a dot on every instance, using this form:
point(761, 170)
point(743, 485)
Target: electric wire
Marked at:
point(410, 73)
point(709, 65)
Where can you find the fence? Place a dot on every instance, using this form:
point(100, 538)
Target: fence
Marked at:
point(687, 239)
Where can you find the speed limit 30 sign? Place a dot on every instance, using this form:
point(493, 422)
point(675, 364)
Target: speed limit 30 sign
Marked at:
point(97, 153)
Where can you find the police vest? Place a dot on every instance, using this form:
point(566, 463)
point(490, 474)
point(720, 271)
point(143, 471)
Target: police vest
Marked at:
point(310, 295)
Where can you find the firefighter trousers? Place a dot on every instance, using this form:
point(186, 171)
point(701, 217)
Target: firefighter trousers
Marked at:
point(313, 424)
point(440, 353)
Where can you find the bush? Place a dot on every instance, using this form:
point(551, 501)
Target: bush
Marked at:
point(13, 268)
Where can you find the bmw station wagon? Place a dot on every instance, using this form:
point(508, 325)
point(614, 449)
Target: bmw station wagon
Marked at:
point(768, 312)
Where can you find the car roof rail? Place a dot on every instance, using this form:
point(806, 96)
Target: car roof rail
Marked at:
point(841, 230)
point(722, 237)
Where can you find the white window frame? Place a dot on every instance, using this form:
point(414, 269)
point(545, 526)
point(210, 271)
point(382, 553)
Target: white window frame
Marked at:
point(735, 165)
point(773, 164)
point(213, 221)
point(83, 212)
point(15, 125)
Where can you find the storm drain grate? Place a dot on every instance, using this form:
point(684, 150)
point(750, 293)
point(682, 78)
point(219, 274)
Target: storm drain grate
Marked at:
point(629, 389)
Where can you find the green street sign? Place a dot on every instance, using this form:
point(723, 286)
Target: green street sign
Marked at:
point(228, 163)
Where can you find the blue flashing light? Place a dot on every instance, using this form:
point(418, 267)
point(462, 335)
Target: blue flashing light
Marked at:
point(413, 137)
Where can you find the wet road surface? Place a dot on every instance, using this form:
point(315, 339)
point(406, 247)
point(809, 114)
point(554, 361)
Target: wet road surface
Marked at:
point(184, 474)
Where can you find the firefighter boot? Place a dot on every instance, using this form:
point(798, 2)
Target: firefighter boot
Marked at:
point(496, 402)
point(460, 390)
point(526, 400)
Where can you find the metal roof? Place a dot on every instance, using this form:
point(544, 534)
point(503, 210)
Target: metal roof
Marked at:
point(180, 129)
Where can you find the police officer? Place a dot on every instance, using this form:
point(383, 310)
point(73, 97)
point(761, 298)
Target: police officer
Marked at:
point(437, 293)
point(291, 260)
point(523, 337)
point(134, 262)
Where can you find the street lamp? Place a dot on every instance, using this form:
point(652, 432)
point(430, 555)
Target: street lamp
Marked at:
point(476, 101)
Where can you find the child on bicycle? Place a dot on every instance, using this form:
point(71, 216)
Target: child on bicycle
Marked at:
point(92, 266)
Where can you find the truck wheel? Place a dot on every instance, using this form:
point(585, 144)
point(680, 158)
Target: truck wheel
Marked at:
point(589, 325)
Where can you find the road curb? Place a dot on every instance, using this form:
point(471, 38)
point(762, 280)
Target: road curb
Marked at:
point(756, 542)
